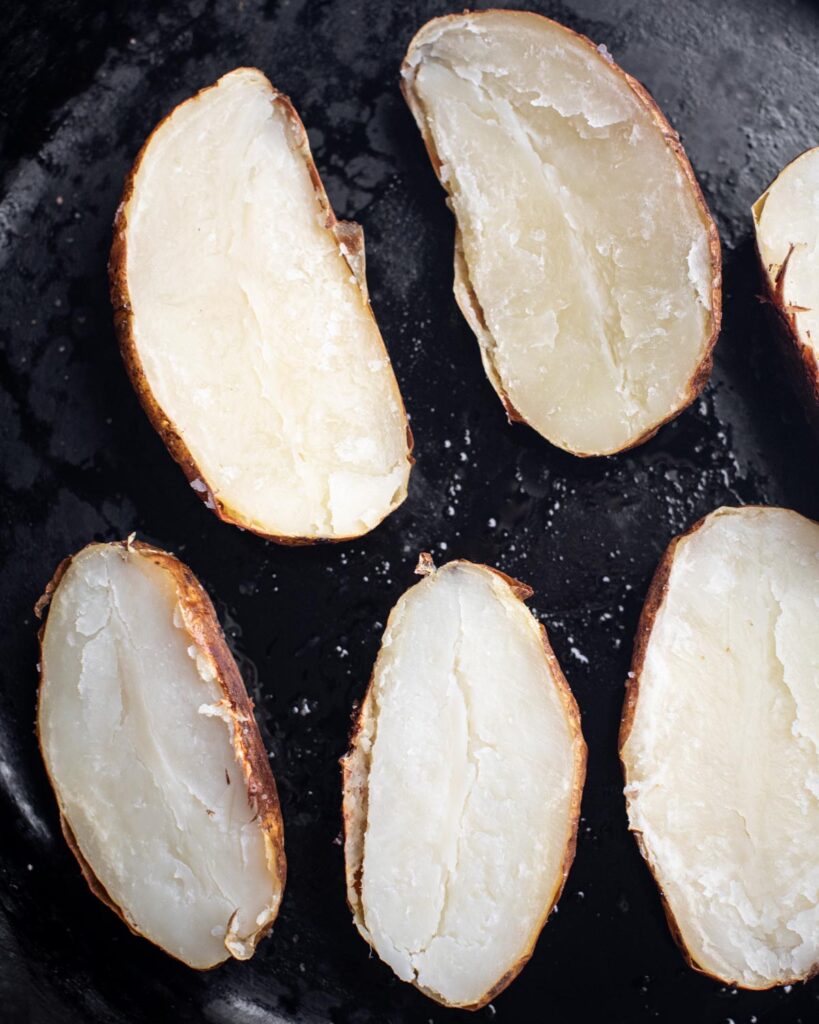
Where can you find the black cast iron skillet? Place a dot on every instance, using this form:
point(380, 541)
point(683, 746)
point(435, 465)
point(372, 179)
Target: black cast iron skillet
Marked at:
point(82, 85)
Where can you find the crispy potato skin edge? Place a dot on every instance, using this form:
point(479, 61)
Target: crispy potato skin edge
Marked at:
point(248, 746)
point(468, 300)
point(349, 236)
point(800, 360)
point(657, 591)
point(520, 592)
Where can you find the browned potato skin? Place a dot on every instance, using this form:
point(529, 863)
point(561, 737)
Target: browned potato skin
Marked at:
point(800, 361)
point(522, 592)
point(200, 618)
point(655, 597)
point(349, 234)
point(468, 302)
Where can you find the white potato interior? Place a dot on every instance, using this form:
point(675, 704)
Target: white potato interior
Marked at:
point(143, 762)
point(582, 239)
point(722, 762)
point(787, 216)
point(467, 766)
point(252, 330)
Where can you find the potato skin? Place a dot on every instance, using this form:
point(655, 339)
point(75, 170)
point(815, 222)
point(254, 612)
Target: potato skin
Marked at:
point(350, 237)
point(465, 295)
point(801, 362)
point(521, 592)
point(201, 620)
point(658, 588)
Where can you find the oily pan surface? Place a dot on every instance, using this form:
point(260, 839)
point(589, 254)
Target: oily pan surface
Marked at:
point(80, 461)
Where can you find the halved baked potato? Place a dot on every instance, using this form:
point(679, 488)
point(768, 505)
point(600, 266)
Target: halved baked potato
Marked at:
point(243, 317)
point(164, 788)
point(462, 786)
point(720, 744)
point(586, 260)
point(786, 222)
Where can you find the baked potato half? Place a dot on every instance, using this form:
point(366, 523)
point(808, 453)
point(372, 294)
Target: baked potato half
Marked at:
point(242, 312)
point(462, 786)
point(720, 744)
point(164, 788)
point(586, 261)
point(786, 223)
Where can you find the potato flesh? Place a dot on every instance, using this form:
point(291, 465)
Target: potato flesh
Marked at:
point(582, 239)
point(140, 759)
point(722, 762)
point(788, 216)
point(253, 333)
point(469, 788)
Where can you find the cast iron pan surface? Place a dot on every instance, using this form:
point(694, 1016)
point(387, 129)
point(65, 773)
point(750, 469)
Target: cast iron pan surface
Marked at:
point(81, 89)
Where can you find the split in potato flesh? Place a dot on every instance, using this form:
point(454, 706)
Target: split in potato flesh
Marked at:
point(462, 787)
point(586, 260)
point(244, 321)
point(721, 744)
point(159, 772)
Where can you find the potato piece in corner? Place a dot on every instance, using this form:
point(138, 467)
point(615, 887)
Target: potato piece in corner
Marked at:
point(586, 261)
point(242, 313)
point(720, 744)
point(165, 791)
point(462, 786)
point(786, 221)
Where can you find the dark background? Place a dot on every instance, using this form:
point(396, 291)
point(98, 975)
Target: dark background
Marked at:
point(81, 86)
